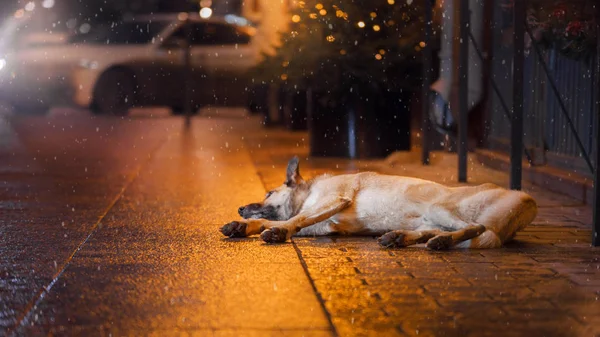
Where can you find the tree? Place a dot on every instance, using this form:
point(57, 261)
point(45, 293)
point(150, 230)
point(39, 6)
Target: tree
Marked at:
point(338, 45)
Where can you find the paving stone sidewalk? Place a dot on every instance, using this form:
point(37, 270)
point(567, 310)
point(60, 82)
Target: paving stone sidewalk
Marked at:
point(545, 283)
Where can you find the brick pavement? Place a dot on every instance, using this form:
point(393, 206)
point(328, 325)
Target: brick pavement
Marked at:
point(156, 263)
point(545, 283)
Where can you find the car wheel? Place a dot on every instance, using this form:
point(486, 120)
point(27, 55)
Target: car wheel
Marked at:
point(114, 93)
point(178, 110)
point(257, 100)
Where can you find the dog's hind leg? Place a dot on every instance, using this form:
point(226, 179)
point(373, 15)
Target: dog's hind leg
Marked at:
point(404, 238)
point(436, 239)
point(488, 239)
point(446, 240)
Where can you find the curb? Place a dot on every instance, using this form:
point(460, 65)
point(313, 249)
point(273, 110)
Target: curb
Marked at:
point(551, 178)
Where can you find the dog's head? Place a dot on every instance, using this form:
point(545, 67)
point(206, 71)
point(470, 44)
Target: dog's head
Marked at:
point(279, 204)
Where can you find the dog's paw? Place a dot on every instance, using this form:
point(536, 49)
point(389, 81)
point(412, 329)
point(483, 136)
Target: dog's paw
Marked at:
point(234, 229)
point(440, 242)
point(393, 239)
point(274, 235)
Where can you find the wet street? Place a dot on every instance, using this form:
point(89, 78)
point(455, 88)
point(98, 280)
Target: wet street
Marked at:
point(109, 226)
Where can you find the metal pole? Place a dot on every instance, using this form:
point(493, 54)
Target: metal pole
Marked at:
point(187, 69)
point(516, 137)
point(427, 70)
point(505, 107)
point(596, 224)
point(463, 84)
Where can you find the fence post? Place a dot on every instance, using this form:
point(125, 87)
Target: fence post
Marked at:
point(187, 69)
point(463, 94)
point(427, 72)
point(516, 138)
point(596, 205)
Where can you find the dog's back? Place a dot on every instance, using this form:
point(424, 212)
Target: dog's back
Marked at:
point(385, 202)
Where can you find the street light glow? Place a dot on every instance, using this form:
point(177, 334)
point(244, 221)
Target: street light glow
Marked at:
point(30, 6)
point(182, 16)
point(48, 3)
point(205, 13)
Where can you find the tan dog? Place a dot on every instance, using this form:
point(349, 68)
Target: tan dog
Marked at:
point(405, 211)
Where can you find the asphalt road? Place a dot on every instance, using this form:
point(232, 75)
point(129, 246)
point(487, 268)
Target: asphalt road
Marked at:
point(110, 225)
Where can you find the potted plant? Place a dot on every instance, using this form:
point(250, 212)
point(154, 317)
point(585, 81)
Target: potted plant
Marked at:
point(283, 87)
point(358, 63)
point(567, 27)
point(264, 93)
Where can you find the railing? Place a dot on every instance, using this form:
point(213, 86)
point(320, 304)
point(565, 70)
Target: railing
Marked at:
point(546, 132)
point(542, 104)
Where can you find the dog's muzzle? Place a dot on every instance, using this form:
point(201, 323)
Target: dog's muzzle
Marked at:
point(250, 210)
point(258, 211)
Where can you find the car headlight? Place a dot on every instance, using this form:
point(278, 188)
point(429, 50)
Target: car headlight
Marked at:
point(2, 63)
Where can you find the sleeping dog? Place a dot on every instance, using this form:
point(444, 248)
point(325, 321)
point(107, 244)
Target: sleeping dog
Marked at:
point(403, 211)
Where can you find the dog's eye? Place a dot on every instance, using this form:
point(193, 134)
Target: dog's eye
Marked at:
point(268, 194)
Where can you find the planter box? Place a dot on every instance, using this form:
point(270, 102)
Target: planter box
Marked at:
point(295, 109)
point(358, 125)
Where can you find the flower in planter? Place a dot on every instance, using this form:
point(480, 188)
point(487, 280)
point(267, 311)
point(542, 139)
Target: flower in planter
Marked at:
point(567, 27)
point(575, 28)
point(559, 13)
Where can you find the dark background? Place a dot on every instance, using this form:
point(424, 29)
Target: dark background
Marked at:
point(91, 8)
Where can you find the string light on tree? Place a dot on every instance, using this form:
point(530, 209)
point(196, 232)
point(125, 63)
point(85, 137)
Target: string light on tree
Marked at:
point(205, 12)
point(359, 40)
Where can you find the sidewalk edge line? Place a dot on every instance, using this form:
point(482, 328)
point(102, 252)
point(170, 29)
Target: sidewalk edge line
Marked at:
point(41, 294)
point(314, 287)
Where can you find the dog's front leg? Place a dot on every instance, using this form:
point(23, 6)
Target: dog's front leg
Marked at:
point(284, 231)
point(243, 228)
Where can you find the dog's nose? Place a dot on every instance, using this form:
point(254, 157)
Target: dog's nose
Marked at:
point(241, 209)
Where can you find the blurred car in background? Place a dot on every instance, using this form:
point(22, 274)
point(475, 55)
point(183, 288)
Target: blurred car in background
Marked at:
point(140, 62)
point(26, 47)
point(135, 62)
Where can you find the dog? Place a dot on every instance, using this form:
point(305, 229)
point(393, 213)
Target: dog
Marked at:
point(403, 211)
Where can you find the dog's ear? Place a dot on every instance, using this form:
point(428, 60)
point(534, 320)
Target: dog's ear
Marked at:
point(293, 177)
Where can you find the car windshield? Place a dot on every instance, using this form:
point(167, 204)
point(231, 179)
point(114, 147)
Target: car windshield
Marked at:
point(121, 33)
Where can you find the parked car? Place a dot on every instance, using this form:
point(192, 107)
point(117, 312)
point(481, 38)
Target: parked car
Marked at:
point(27, 81)
point(138, 62)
